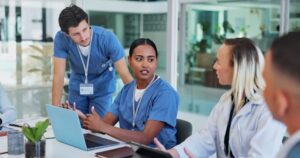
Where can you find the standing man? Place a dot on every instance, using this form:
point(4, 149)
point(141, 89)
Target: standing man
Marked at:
point(94, 54)
point(282, 92)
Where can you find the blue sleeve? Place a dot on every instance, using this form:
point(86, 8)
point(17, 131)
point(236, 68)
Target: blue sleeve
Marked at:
point(114, 108)
point(113, 47)
point(165, 107)
point(60, 47)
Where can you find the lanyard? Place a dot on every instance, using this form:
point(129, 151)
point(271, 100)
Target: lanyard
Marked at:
point(86, 67)
point(227, 150)
point(135, 110)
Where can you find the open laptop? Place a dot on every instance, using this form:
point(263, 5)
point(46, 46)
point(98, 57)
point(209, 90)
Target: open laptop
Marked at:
point(67, 129)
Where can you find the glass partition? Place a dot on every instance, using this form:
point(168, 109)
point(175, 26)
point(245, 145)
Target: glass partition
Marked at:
point(27, 28)
point(206, 26)
point(130, 26)
point(294, 21)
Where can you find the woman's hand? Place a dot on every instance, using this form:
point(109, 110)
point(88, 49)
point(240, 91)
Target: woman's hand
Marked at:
point(159, 145)
point(94, 122)
point(188, 153)
point(73, 107)
point(172, 152)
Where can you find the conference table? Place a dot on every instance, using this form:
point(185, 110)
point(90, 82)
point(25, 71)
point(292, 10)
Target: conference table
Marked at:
point(56, 149)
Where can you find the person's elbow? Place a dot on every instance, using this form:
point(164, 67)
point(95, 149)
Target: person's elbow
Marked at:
point(9, 116)
point(12, 115)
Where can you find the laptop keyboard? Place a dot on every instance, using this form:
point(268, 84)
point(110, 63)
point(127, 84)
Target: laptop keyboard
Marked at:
point(95, 141)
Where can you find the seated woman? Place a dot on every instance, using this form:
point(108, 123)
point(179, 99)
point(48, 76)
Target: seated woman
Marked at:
point(7, 111)
point(145, 108)
point(240, 125)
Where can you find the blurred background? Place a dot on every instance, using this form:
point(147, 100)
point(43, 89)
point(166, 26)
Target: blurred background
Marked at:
point(27, 29)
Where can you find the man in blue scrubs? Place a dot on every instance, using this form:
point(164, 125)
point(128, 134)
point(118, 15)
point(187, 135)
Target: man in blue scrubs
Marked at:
point(94, 54)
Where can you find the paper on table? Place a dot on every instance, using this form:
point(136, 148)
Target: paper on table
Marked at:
point(3, 144)
point(49, 133)
point(30, 121)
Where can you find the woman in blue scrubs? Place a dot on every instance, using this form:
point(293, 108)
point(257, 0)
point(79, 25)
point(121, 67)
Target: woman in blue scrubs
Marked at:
point(145, 108)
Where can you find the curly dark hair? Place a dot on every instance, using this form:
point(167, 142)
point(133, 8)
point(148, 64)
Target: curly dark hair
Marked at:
point(71, 17)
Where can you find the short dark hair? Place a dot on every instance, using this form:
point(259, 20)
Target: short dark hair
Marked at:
point(142, 41)
point(286, 54)
point(71, 17)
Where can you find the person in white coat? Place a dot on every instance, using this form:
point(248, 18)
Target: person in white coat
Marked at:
point(240, 125)
point(7, 111)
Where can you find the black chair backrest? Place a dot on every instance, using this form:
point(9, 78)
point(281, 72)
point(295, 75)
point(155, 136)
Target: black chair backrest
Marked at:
point(184, 130)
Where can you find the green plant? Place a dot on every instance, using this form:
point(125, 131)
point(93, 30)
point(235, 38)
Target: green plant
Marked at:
point(43, 57)
point(218, 37)
point(34, 134)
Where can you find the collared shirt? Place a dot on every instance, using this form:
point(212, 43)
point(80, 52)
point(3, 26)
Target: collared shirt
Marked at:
point(291, 142)
point(159, 102)
point(7, 111)
point(254, 133)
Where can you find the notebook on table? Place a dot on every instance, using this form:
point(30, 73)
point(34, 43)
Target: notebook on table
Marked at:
point(146, 151)
point(122, 152)
point(67, 129)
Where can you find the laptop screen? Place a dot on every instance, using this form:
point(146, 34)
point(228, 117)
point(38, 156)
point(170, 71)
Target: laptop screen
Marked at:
point(67, 129)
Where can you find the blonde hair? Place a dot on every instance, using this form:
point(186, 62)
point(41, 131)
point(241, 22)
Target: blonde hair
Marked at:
point(248, 63)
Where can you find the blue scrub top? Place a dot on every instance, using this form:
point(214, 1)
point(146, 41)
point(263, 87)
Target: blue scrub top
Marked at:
point(160, 102)
point(105, 50)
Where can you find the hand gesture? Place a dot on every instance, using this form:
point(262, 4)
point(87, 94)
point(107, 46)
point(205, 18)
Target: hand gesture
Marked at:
point(73, 107)
point(173, 152)
point(94, 122)
point(188, 153)
point(159, 145)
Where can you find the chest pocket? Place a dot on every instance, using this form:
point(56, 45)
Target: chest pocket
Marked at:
point(104, 65)
point(148, 107)
point(99, 61)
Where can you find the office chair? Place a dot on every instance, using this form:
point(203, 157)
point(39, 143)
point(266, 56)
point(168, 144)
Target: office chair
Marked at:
point(184, 130)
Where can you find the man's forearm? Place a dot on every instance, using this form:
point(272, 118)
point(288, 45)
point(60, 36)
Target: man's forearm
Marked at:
point(56, 93)
point(123, 71)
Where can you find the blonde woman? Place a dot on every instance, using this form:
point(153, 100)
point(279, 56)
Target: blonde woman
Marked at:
point(240, 125)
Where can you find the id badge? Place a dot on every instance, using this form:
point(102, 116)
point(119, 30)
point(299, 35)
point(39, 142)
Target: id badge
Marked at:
point(86, 89)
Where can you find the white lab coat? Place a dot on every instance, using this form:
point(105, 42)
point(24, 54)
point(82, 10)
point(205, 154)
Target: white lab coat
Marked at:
point(288, 145)
point(253, 133)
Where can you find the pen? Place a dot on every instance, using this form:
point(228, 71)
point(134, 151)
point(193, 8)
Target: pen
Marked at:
point(15, 125)
point(3, 152)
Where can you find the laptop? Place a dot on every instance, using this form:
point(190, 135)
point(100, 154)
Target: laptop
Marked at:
point(67, 129)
